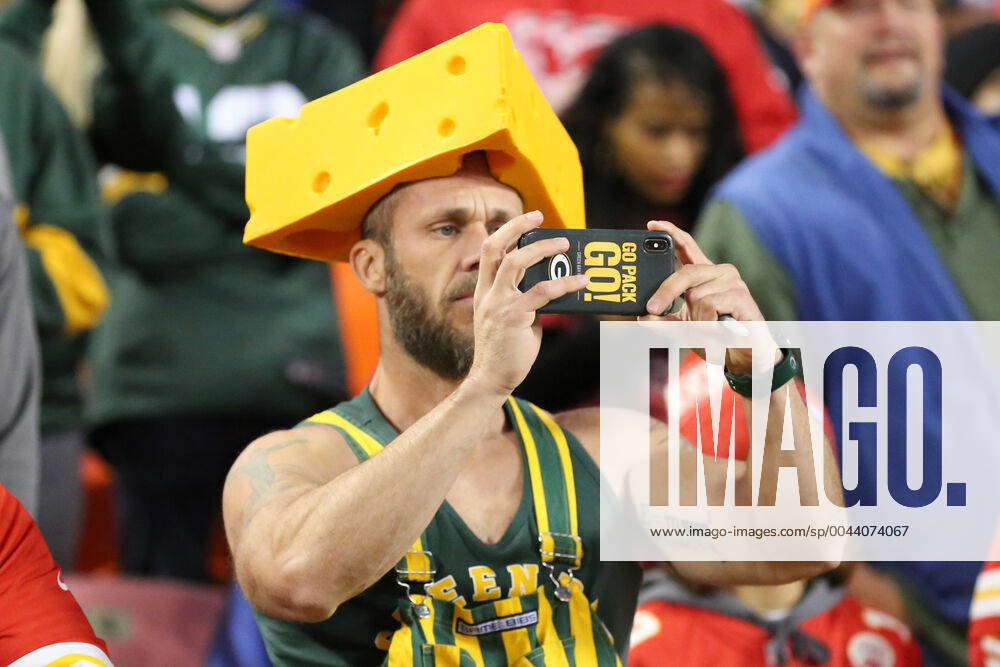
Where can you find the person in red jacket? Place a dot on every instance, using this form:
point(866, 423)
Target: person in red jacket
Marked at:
point(40, 620)
point(802, 623)
point(984, 618)
point(559, 38)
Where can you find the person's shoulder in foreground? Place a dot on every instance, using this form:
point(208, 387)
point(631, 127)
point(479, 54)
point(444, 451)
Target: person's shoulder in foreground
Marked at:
point(41, 623)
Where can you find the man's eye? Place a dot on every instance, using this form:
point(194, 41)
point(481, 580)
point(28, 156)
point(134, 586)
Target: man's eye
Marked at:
point(446, 230)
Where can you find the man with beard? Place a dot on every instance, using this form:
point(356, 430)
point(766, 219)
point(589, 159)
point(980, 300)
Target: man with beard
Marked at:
point(881, 204)
point(318, 515)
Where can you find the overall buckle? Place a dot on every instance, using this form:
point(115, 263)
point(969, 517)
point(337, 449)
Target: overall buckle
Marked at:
point(402, 578)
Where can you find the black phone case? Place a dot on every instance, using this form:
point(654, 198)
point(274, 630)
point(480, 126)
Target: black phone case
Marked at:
point(624, 273)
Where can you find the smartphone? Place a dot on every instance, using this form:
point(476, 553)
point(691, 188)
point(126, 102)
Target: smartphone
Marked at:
point(625, 267)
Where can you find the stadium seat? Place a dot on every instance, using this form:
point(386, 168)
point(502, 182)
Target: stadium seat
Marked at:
point(150, 622)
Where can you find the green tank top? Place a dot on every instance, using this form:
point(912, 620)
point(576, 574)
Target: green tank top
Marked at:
point(357, 633)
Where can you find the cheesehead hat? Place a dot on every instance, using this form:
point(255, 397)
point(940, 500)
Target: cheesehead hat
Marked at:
point(310, 180)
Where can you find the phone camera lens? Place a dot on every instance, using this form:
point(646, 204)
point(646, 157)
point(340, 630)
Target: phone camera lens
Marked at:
point(654, 245)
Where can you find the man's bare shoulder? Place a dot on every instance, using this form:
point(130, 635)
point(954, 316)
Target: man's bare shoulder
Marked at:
point(323, 448)
point(278, 467)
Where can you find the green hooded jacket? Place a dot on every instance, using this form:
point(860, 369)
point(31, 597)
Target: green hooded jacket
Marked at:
point(63, 225)
point(200, 323)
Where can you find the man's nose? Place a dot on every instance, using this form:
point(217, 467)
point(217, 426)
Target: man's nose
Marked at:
point(473, 236)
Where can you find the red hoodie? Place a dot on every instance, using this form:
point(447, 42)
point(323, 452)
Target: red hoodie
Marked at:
point(854, 635)
point(559, 38)
point(40, 621)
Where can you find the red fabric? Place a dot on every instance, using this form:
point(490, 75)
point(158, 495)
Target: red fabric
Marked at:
point(694, 393)
point(559, 39)
point(984, 628)
point(36, 610)
point(857, 636)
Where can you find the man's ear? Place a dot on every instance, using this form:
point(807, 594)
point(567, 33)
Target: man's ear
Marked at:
point(367, 258)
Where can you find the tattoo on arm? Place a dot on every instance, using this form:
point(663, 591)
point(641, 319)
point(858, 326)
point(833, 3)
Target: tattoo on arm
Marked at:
point(268, 480)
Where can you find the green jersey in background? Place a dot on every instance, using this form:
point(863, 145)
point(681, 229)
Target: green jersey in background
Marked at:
point(199, 323)
point(63, 224)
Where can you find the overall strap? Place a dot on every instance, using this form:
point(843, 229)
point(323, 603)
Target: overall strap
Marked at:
point(553, 487)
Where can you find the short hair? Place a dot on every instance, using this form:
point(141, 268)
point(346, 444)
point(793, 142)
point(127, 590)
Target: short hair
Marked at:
point(377, 222)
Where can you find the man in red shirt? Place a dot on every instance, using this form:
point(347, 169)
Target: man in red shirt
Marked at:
point(559, 38)
point(41, 622)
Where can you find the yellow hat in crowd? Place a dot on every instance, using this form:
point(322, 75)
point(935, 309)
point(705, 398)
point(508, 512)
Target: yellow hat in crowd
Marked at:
point(310, 180)
point(811, 6)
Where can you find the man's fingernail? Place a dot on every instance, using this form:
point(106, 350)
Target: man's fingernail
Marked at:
point(654, 307)
point(534, 215)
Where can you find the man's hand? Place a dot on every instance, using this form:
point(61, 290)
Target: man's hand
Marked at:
point(507, 335)
point(710, 291)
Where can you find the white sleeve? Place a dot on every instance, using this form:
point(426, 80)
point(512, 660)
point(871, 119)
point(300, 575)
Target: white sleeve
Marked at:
point(65, 654)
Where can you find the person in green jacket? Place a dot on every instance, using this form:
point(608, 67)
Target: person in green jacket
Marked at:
point(62, 221)
point(207, 343)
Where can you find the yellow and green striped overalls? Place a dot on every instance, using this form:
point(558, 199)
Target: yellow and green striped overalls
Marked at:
point(527, 609)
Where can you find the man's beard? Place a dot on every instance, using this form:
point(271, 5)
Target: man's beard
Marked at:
point(894, 98)
point(891, 99)
point(431, 341)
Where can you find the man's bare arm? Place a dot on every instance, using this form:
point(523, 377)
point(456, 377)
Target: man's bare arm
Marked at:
point(310, 527)
point(735, 573)
point(711, 291)
point(585, 425)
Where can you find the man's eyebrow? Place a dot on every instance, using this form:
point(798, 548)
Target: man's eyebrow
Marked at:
point(501, 215)
point(456, 214)
point(462, 214)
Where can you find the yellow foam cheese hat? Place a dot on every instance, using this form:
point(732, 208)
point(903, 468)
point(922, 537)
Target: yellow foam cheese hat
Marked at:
point(310, 180)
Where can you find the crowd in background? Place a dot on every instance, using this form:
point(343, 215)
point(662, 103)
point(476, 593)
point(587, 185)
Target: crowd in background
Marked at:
point(167, 345)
